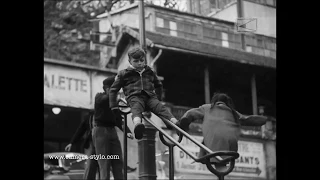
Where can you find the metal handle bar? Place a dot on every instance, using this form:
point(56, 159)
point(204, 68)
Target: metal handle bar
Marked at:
point(182, 132)
point(125, 153)
point(219, 173)
point(170, 146)
point(124, 105)
point(168, 143)
point(233, 155)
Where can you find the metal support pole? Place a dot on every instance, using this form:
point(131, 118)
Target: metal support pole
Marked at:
point(146, 146)
point(240, 15)
point(125, 150)
point(221, 177)
point(171, 163)
point(142, 25)
point(147, 158)
point(254, 95)
point(206, 85)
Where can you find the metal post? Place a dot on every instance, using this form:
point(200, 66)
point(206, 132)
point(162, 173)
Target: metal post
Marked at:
point(221, 177)
point(142, 25)
point(147, 158)
point(254, 95)
point(206, 85)
point(240, 15)
point(125, 150)
point(171, 158)
point(171, 163)
point(146, 146)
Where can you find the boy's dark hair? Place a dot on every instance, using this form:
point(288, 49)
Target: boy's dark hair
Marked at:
point(136, 53)
point(108, 82)
point(222, 97)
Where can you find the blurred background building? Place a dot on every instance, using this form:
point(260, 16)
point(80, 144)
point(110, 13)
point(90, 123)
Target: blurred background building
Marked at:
point(196, 50)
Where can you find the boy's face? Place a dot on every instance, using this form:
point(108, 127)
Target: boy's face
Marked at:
point(138, 63)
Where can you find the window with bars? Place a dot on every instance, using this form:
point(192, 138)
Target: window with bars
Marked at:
point(225, 42)
point(162, 25)
point(248, 48)
point(189, 30)
point(208, 6)
point(173, 28)
point(176, 28)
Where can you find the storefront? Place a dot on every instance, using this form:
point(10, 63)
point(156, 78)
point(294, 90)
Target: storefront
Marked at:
point(69, 91)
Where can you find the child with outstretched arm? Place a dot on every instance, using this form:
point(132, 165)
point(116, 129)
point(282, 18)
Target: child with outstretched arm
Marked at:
point(221, 124)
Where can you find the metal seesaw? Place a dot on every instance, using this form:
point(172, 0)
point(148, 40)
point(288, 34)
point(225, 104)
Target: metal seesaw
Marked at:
point(231, 155)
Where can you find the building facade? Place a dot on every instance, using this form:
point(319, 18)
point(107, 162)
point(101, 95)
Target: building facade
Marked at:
point(70, 88)
point(195, 52)
point(196, 56)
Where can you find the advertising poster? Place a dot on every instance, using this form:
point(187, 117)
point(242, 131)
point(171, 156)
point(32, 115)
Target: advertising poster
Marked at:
point(251, 162)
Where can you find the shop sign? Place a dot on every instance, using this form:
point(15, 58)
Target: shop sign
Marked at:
point(251, 162)
point(183, 162)
point(66, 86)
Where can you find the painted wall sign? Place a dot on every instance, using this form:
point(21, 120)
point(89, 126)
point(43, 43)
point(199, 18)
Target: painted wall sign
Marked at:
point(251, 162)
point(66, 86)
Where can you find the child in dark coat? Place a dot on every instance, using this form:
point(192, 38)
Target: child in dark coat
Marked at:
point(142, 89)
point(221, 124)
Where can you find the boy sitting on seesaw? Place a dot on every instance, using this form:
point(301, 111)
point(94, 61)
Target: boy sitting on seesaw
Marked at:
point(140, 84)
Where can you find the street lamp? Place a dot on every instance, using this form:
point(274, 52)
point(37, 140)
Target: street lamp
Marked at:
point(56, 110)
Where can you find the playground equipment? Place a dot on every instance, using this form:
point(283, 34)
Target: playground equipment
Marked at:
point(231, 155)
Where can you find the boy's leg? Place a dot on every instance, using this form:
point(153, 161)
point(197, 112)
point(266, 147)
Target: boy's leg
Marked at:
point(117, 164)
point(160, 110)
point(101, 142)
point(92, 164)
point(137, 106)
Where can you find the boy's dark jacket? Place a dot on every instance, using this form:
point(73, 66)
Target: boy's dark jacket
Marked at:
point(133, 83)
point(103, 115)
